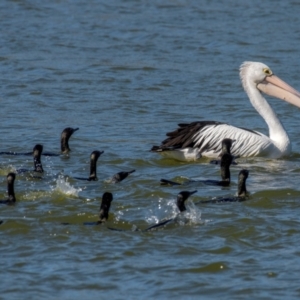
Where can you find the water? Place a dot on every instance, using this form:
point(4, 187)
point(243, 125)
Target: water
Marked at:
point(126, 72)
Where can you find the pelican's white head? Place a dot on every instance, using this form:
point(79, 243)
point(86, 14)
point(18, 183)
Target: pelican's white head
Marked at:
point(260, 76)
point(253, 73)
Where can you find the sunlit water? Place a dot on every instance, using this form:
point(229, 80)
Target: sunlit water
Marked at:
point(125, 73)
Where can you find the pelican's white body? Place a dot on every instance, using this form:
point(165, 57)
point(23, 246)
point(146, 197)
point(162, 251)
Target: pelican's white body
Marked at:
point(256, 77)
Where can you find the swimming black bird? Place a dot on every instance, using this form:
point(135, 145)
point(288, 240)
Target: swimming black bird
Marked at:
point(241, 193)
point(107, 198)
point(64, 140)
point(38, 167)
point(120, 176)
point(225, 148)
point(226, 161)
point(181, 198)
point(10, 190)
point(93, 166)
point(64, 144)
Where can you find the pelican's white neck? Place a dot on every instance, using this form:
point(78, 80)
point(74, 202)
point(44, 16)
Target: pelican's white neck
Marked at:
point(277, 133)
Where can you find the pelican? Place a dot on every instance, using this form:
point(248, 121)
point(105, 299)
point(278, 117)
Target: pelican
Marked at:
point(191, 141)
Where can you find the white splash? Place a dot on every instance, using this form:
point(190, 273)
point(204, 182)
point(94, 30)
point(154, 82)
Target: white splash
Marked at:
point(168, 209)
point(63, 186)
point(191, 216)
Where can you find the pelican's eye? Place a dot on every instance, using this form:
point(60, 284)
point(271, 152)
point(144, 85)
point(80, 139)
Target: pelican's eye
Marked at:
point(267, 71)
